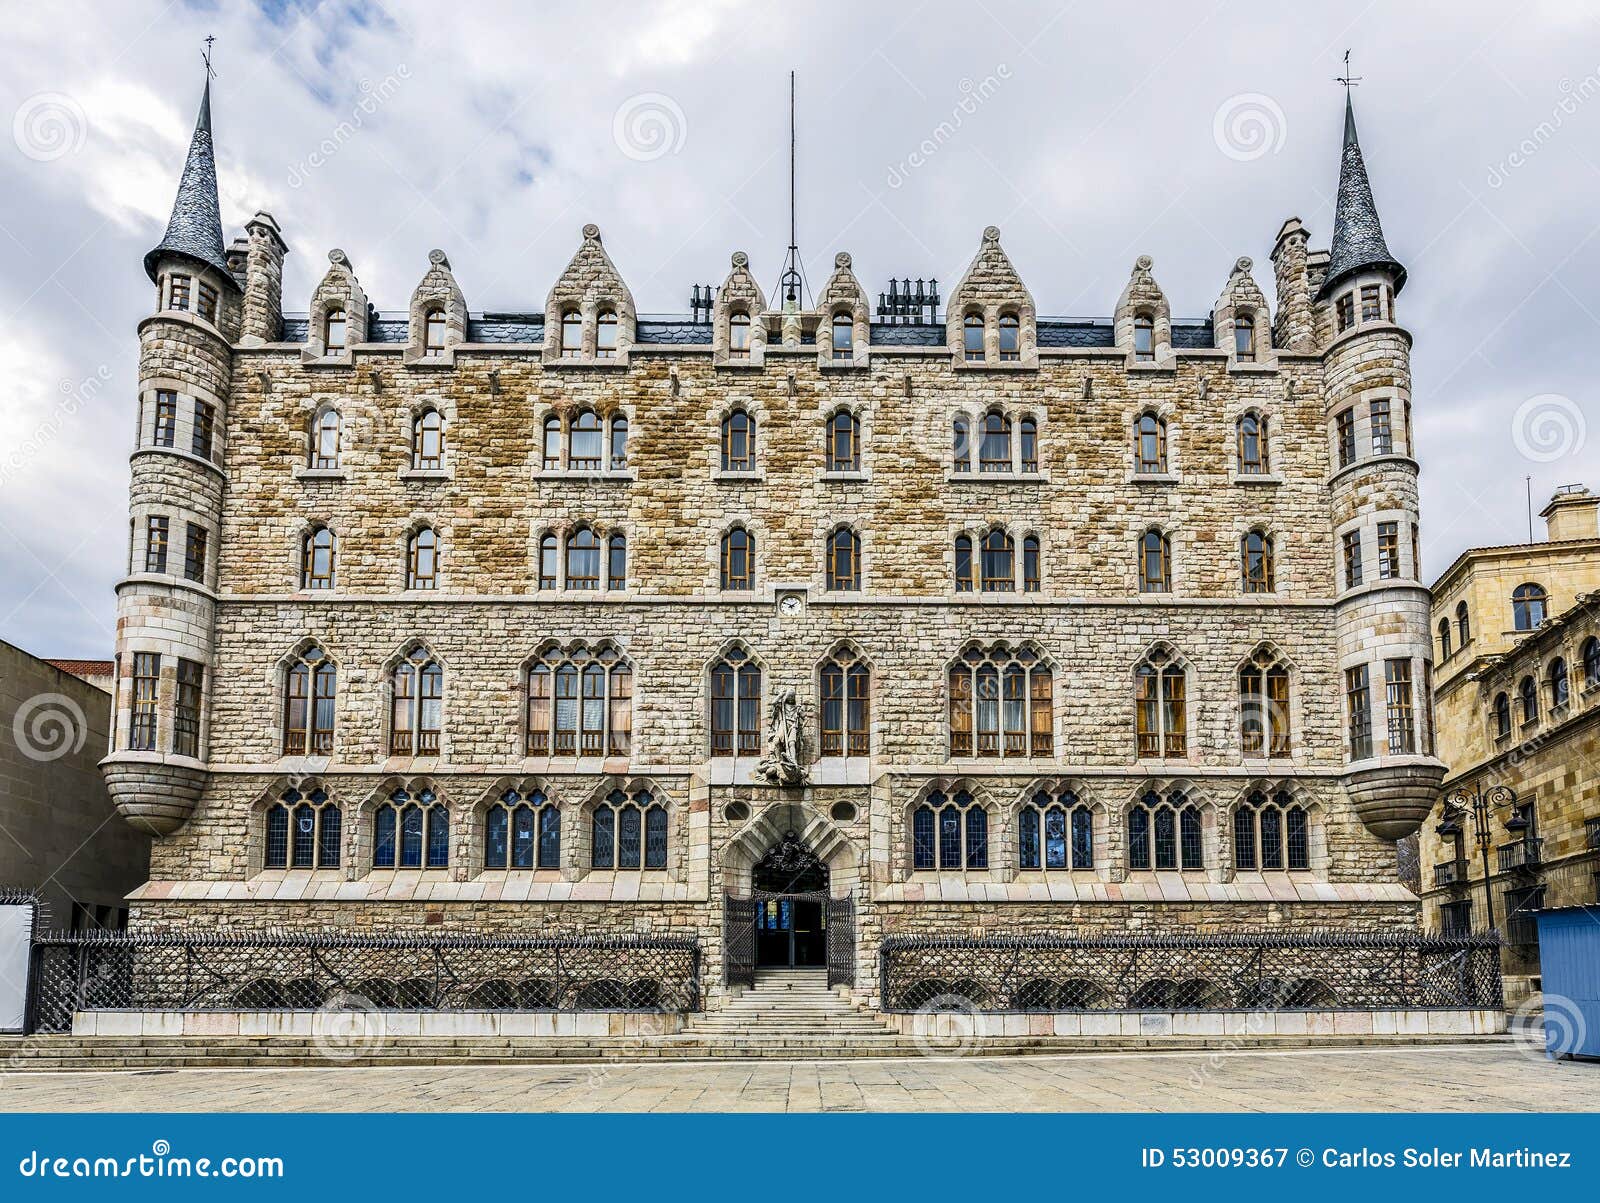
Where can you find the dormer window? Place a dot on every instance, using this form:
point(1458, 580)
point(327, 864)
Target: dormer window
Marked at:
point(1244, 338)
point(605, 335)
point(433, 332)
point(1144, 338)
point(571, 334)
point(1346, 311)
point(333, 331)
point(1010, 338)
point(843, 335)
point(739, 336)
point(972, 337)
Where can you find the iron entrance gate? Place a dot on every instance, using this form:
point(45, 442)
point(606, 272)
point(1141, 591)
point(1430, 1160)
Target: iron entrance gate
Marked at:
point(739, 944)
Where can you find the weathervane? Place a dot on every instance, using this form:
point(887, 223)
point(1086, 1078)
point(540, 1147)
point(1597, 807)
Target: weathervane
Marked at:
point(1349, 81)
point(205, 57)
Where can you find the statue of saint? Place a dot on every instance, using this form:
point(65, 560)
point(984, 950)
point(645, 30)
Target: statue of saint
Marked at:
point(781, 765)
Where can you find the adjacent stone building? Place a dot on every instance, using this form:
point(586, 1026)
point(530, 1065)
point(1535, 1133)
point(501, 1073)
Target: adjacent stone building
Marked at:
point(562, 620)
point(1517, 633)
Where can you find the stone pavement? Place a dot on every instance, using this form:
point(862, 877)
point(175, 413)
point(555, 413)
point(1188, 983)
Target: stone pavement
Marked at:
point(1498, 1077)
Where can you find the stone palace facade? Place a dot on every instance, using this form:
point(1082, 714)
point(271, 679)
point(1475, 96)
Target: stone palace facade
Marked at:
point(573, 621)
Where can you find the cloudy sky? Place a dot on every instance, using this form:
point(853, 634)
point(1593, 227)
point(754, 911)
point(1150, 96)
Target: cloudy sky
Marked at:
point(1090, 133)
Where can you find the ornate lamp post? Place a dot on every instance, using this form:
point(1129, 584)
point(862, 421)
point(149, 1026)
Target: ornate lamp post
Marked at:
point(1480, 803)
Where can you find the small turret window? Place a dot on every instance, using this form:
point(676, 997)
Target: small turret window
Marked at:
point(1010, 338)
point(1144, 338)
point(605, 335)
point(333, 331)
point(739, 336)
point(972, 337)
point(571, 334)
point(1346, 312)
point(206, 301)
point(433, 327)
point(178, 292)
point(843, 335)
point(1244, 338)
point(1371, 303)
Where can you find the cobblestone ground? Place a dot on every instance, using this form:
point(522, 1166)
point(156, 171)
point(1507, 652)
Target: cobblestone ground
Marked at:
point(1496, 1078)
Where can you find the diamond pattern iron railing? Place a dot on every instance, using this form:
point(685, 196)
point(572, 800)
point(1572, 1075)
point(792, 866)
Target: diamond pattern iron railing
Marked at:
point(1182, 972)
point(118, 971)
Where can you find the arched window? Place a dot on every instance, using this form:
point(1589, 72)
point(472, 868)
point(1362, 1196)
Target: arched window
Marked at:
point(736, 705)
point(433, 330)
point(961, 444)
point(310, 686)
point(1160, 711)
point(1155, 562)
point(1001, 703)
point(1528, 695)
point(619, 443)
point(1055, 832)
point(1028, 445)
point(972, 337)
point(1150, 435)
point(738, 442)
point(605, 335)
point(994, 452)
point(417, 685)
point(583, 559)
point(844, 442)
point(1030, 564)
point(1010, 338)
point(522, 832)
point(738, 559)
point(325, 441)
point(303, 831)
point(1590, 656)
point(571, 334)
point(1444, 639)
point(583, 455)
point(1264, 706)
point(411, 833)
point(1528, 606)
point(552, 442)
point(1271, 833)
point(422, 559)
point(1253, 445)
point(846, 719)
point(1560, 686)
point(549, 560)
point(963, 559)
point(333, 331)
point(1164, 832)
point(580, 702)
point(317, 559)
point(1244, 338)
point(949, 832)
point(844, 560)
point(997, 564)
point(427, 441)
point(739, 335)
point(843, 336)
point(1255, 554)
point(617, 562)
point(629, 832)
point(1463, 625)
point(1502, 716)
point(1144, 338)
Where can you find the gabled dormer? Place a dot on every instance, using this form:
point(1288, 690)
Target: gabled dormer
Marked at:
point(589, 318)
point(990, 320)
point(738, 335)
point(1242, 323)
point(1143, 321)
point(337, 318)
point(844, 322)
point(438, 316)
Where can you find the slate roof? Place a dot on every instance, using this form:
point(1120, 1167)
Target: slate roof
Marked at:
point(1357, 234)
point(195, 229)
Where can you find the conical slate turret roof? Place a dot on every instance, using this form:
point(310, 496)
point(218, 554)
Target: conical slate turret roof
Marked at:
point(1357, 235)
point(195, 229)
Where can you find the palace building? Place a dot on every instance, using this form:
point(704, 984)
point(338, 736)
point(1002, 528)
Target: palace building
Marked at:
point(788, 627)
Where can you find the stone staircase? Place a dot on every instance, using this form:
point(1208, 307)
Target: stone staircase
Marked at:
point(786, 1003)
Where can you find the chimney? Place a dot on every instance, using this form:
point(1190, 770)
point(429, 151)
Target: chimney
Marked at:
point(263, 291)
point(1573, 513)
point(1294, 329)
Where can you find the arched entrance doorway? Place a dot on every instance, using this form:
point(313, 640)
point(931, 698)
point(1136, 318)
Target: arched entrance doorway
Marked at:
point(790, 888)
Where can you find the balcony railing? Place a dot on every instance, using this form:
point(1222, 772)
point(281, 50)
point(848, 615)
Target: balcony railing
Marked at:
point(1448, 874)
point(1523, 854)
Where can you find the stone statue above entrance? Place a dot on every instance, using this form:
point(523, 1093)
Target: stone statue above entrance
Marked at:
point(781, 765)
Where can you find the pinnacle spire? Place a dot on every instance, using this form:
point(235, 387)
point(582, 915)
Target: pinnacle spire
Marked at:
point(1357, 234)
point(195, 229)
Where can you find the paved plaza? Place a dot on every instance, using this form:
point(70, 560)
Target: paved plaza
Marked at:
point(1493, 1077)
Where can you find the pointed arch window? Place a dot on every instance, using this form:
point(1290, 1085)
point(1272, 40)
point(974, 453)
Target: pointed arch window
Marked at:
point(325, 441)
point(411, 832)
point(1155, 562)
point(334, 327)
point(844, 560)
point(1030, 564)
point(1560, 684)
point(417, 686)
point(844, 442)
point(1144, 338)
point(549, 560)
point(433, 332)
point(628, 832)
point(739, 335)
point(997, 568)
point(427, 441)
point(1253, 459)
point(571, 334)
point(605, 335)
point(552, 443)
point(422, 559)
point(1256, 562)
point(583, 559)
point(843, 331)
point(1160, 708)
point(1502, 716)
point(580, 702)
point(738, 559)
point(994, 452)
point(961, 444)
point(1590, 658)
point(310, 687)
point(738, 442)
point(736, 705)
point(522, 832)
point(317, 558)
point(1055, 832)
point(950, 832)
point(584, 453)
point(619, 443)
point(1264, 707)
point(1528, 606)
point(1001, 703)
point(972, 337)
point(1244, 338)
point(1150, 450)
point(1028, 445)
point(303, 831)
point(1271, 833)
point(963, 562)
point(1164, 832)
point(617, 561)
point(1528, 696)
point(1010, 338)
point(846, 714)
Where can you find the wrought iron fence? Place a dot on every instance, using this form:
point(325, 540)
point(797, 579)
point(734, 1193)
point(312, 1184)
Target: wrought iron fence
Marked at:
point(739, 940)
point(1244, 972)
point(118, 971)
point(841, 941)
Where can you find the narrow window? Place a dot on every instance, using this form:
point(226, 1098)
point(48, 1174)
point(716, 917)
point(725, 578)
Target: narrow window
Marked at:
point(186, 708)
point(996, 566)
point(155, 544)
point(205, 420)
point(605, 335)
point(325, 441)
point(1382, 432)
point(619, 444)
point(422, 566)
point(583, 559)
point(427, 441)
point(1010, 338)
point(1388, 550)
point(1030, 564)
point(333, 331)
point(206, 301)
point(972, 337)
point(146, 688)
point(1255, 551)
point(844, 560)
point(1264, 708)
point(1252, 445)
point(194, 553)
point(552, 443)
point(1150, 434)
point(963, 564)
point(1351, 541)
point(844, 443)
point(738, 442)
point(1528, 606)
point(1402, 721)
point(1028, 444)
point(1464, 625)
point(1590, 654)
point(843, 336)
point(178, 292)
point(1244, 338)
point(433, 331)
point(1560, 685)
point(317, 559)
point(571, 334)
point(961, 444)
point(1358, 701)
point(1155, 563)
point(1444, 639)
point(617, 562)
point(994, 453)
point(1346, 311)
point(738, 555)
point(549, 560)
point(1371, 303)
point(1502, 716)
point(1144, 338)
point(1528, 696)
point(739, 335)
point(1345, 423)
point(585, 451)
point(166, 418)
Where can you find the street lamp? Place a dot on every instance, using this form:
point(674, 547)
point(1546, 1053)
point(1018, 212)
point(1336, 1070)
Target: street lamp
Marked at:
point(1480, 803)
